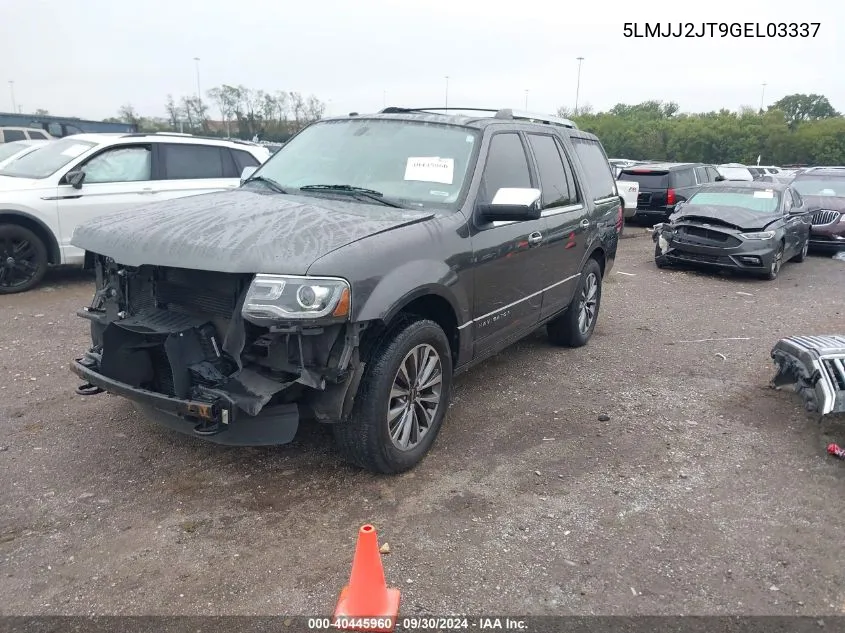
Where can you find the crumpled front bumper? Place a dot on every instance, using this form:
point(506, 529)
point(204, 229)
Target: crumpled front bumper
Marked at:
point(815, 367)
point(218, 422)
point(752, 255)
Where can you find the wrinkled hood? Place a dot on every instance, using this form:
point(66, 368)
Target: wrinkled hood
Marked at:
point(240, 231)
point(739, 218)
point(834, 203)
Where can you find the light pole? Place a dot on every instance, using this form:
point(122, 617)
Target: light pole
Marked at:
point(12, 93)
point(578, 84)
point(199, 92)
point(762, 96)
point(526, 99)
point(447, 92)
point(384, 98)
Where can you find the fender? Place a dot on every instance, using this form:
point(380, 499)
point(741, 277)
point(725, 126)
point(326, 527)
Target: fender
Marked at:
point(425, 277)
point(53, 253)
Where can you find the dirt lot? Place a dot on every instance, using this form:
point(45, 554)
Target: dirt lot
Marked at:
point(705, 492)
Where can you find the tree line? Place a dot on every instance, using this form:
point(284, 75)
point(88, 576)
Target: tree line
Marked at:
point(233, 112)
point(795, 130)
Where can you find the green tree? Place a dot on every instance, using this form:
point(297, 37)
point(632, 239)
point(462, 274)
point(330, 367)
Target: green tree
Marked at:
point(801, 107)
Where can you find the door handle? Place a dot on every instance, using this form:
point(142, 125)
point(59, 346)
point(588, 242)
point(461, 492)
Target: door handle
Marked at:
point(585, 223)
point(535, 238)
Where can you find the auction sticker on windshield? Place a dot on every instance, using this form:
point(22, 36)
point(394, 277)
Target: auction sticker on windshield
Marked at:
point(764, 194)
point(430, 169)
point(74, 150)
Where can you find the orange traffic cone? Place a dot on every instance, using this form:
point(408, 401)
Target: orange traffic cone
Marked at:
point(366, 604)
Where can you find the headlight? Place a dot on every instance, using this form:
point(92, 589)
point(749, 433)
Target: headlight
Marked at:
point(763, 235)
point(286, 297)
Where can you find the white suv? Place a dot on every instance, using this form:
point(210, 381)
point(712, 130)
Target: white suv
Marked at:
point(46, 194)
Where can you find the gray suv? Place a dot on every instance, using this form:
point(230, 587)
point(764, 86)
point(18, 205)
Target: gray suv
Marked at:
point(351, 277)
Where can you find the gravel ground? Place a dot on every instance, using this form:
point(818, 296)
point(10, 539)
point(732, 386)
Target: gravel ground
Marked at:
point(704, 493)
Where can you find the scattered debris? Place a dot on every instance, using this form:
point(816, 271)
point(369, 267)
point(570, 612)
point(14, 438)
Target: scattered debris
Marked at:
point(722, 356)
point(548, 439)
point(836, 451)
point(537, 472)
point(774, 588)
point(384, 549)
point(813, 366)
point(604, 417)
point(709, 340)
point(619, 272)
point(744, 294)
point(683, 475)
point(633, 591)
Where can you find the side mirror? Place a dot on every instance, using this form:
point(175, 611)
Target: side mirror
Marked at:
point(75, 178)
point(677, 207)
point(247, 172)
point(512, 205)
point(720, 178)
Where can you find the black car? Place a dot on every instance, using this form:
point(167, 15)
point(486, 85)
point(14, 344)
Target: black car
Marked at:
point(746, 226)
point(823, 191)
point(350, 284)
point(663, 185)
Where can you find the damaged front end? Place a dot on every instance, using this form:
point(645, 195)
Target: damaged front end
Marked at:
point(229, 357)
point(815, 367)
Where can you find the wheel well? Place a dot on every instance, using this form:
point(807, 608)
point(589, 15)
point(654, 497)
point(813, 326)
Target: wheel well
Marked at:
point(598, 255)
point(432, 307)
point(43, 233)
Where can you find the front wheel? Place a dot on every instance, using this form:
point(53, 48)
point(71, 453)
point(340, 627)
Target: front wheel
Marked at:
point(575, 326)
point(23, 259)
point(800, 257)
point(777, 262)
point(402, 400)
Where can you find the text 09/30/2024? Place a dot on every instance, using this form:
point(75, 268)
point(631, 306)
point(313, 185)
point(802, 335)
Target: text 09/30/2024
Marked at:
point(720, 29)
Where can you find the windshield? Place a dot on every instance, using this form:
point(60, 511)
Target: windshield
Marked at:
point(7, 150)
point(415, 163)
point(831, 186)
point(759, 200)
point(46, 160)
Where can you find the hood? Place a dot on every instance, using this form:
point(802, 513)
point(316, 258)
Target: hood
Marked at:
point(737, 217)
point(10, 183)
point(240, 231)
point(833, 203)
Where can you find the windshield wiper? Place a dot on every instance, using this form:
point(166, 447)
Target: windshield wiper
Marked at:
point(370, 194)
point(272, 184)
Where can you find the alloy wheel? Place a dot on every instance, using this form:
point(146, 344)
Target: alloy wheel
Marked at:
point(18, 262)
point(414, 397)
point(587, 303)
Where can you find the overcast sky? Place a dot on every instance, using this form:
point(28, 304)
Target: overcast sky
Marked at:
point(88, 57)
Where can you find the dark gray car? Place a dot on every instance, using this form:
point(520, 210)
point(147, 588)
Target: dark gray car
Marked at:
point(351, 277)
point(749, 227)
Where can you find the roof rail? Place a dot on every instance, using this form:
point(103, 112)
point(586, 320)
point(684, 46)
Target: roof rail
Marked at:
point(184, 135)
point(497, 114)
point(535, 118)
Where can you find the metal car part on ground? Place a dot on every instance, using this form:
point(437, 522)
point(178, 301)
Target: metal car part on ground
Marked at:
point(815, 367)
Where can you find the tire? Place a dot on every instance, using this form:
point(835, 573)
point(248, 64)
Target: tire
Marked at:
point(777, 262)
point(365, 438)
point(660, 260)
point(567, 330)
point(800, 257)
point(23, 259)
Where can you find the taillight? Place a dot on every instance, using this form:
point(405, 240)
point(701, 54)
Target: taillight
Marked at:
point(670, 196)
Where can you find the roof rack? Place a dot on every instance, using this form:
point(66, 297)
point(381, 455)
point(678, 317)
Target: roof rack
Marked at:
point(504, 113)
point(185, 135)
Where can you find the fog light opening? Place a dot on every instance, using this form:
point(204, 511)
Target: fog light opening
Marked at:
point(753, 260)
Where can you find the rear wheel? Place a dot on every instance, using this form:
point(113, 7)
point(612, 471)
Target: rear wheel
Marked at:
point(402, 400)
point(575, 326)
point(23, 259)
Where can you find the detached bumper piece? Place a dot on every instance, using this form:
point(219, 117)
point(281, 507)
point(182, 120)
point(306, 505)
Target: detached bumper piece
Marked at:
point(815, 367)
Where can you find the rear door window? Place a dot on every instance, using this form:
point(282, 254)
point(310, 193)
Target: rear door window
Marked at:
point(13, 135)
point(701, 175)
point(35, 134)
point(647, 179)
point(712, 173)
point(683, 178)
point(244, 159)
point(596, 168)
point(192, 162)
